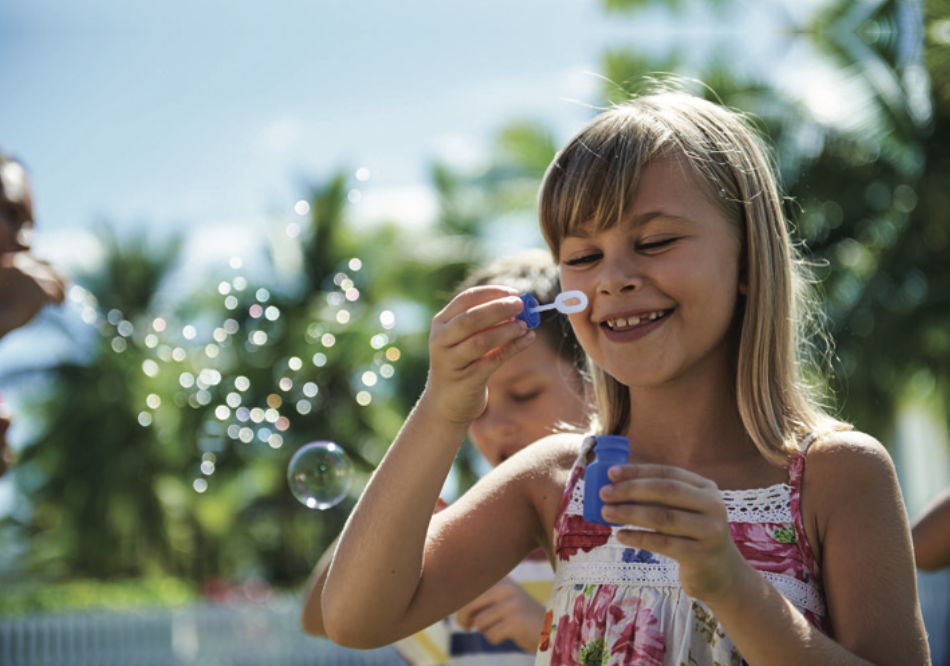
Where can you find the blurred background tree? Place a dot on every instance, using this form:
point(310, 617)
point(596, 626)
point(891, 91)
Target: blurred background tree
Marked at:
point(164, 452)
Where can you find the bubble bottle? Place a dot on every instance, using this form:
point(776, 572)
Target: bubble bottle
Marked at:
point(609, 451)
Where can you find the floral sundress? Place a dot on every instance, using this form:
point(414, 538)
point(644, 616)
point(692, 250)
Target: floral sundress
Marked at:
point(616, 606)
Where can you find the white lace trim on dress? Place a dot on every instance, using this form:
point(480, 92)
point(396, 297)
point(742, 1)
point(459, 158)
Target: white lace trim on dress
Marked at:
point(756, 505)
point(665, 573)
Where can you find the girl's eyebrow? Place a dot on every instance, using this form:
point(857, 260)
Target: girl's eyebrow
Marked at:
point(583, 232)
point(645, 218)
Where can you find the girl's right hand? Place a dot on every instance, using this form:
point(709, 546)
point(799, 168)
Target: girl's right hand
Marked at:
point(470, 338)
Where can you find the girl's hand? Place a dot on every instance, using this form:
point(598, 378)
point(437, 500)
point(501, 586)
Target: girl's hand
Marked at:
point(505, 612)
point(470, 339)
point(687, 519)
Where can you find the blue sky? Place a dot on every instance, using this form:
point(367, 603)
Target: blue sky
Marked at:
point(176, 114)
point(213, 114)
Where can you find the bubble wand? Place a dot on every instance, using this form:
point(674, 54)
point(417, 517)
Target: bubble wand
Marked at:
point(567, 302)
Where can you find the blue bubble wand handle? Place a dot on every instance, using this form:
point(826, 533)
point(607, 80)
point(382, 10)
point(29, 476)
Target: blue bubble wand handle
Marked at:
point(567, 302)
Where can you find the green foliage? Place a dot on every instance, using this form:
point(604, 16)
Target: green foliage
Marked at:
point(82, 594)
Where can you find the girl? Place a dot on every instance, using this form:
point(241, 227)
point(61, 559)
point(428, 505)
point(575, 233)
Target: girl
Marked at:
point(729, 548)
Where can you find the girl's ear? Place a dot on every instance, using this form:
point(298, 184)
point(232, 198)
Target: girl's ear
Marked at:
point(743, 283)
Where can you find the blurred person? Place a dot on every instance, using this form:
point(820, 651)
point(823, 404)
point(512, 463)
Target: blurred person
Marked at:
point(26, 283)
point(535, 393)
point(931, 534)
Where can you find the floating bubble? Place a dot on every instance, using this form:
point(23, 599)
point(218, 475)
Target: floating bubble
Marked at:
point(320, 475)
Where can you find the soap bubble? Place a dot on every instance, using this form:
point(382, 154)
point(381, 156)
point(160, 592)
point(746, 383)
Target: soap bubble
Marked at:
point(320, 475)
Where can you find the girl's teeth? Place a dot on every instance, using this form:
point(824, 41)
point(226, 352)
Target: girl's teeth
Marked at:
point(626, 322)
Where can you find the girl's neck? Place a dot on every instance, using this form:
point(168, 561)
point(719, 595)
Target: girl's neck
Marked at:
point(696, 427)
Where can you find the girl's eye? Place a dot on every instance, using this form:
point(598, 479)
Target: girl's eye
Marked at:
point(656, 245)
point(525, 397)
point(583, 259)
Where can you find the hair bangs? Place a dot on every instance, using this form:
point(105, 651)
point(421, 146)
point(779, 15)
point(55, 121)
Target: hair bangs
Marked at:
point(594, 178)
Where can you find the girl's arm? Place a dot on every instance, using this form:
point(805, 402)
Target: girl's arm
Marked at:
point(392, 574)
point(931, 533)
point(856, 522)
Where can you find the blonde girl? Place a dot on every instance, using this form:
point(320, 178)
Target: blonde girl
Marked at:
point(728, 548)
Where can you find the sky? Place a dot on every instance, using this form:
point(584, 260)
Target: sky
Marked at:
point(198, 115)
point(180, 114)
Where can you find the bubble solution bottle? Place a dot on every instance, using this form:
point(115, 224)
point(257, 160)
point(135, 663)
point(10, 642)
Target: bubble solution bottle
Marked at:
point(610, 450)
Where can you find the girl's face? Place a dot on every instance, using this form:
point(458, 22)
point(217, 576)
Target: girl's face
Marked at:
point(527, 396)
point(662, 284)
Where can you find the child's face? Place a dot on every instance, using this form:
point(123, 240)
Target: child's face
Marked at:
point(527, 396)
point(662, 284)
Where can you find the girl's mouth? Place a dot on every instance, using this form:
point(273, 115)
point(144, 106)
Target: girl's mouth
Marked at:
point(628, 323)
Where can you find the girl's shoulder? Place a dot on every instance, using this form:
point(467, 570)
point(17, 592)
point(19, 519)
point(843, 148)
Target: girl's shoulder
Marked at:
point(848, 452)
point(843, 470)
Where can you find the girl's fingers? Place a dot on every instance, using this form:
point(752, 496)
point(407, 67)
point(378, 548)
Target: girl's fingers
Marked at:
point(667, 500)
point(667, 492)
point(472, 313)
point(471, 298)
point(662, 519)
point(493, 339)
point(625, 472)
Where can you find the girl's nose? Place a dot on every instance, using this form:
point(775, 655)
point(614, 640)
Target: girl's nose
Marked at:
point(620, 275)
point(498, 424)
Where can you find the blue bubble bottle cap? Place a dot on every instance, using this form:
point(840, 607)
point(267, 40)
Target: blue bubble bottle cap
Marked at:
point(530, 315)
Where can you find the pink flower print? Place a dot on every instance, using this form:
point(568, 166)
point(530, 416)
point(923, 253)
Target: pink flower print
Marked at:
point(768, 548)
point(634, 634)
point(577, 534)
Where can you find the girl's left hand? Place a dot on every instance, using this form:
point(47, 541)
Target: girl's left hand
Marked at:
point(687, 520)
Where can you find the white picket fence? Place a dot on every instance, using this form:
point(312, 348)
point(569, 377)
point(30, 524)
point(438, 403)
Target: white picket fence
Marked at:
point(202, 635)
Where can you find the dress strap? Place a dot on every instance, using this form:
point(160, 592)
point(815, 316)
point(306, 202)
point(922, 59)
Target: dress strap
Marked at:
point(808, 441)
point(796, 475)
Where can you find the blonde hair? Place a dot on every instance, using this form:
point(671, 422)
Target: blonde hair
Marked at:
point(594, 179)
